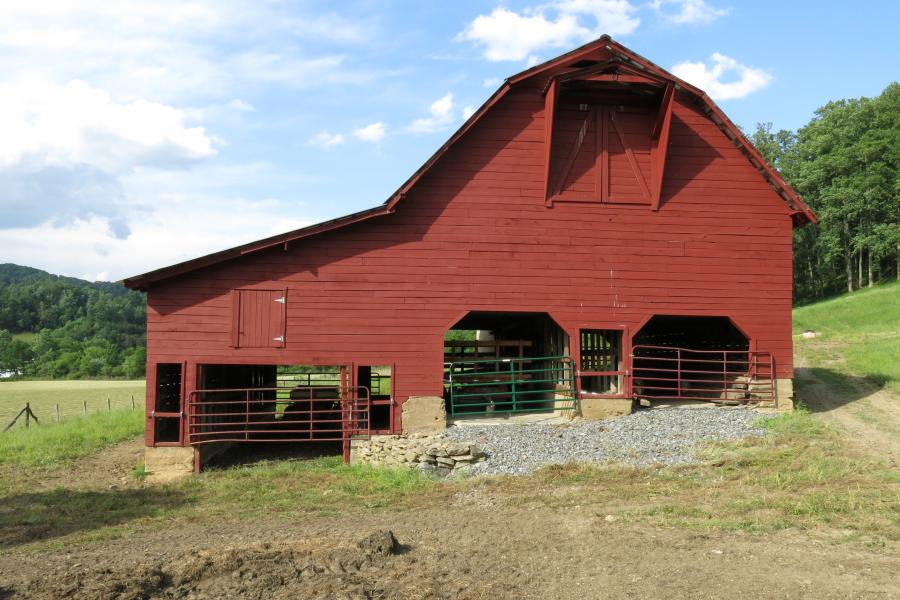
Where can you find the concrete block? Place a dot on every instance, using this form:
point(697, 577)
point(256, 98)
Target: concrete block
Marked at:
point(596, 409)
point(784, 395)
point(168, 463)
point(424, 414)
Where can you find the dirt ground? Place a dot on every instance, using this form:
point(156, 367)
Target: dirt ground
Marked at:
point(464, 550)
point(870, 417)
point(480, 544)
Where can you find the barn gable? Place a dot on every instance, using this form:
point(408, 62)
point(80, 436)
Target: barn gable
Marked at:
point(606, 141)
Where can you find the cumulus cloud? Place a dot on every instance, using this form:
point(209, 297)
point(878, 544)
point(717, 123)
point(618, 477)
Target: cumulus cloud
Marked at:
point(440, 116)
point(723, 78)
point(373, 132)
point(76, 124)
point(468, 111)
point(64, 148)
point(325, 139)
point(688, 12)
point(509, 35)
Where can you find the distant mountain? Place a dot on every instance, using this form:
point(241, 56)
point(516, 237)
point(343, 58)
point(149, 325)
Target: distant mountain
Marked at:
point(11, 273)
point(79, 328)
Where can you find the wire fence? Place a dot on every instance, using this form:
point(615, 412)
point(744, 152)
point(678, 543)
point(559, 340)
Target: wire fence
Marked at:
point(55, 412)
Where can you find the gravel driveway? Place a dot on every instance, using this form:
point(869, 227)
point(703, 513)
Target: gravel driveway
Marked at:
point(664, 435)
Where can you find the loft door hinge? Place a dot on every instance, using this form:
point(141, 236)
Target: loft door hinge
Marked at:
point(281, 300)
point(280, 338)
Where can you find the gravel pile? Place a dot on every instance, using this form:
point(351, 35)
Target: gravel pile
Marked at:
point(666, 436)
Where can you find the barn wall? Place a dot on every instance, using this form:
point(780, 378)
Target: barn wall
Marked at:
point(475, 234)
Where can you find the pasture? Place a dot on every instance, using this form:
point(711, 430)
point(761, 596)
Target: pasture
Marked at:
point(71, 397)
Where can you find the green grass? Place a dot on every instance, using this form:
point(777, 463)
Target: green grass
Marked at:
point(56, 445)
point(289, 489)
point(859, 334)
point(45, 395)
point(800, 476)
point(322, 486)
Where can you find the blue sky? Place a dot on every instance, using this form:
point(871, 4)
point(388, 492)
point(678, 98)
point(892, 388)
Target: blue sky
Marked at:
point(136, 133)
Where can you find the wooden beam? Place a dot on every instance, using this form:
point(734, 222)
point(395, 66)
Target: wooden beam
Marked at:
point(573, 153)
point(549, 112)
point(665, 108)
point(661, 144)
point(645, 191)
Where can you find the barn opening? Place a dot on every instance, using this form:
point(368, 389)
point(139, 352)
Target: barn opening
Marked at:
point(167, 408)
point(699, 358)
point(277, 404)
point(501, 363)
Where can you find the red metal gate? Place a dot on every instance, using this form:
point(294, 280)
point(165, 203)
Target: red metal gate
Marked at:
point(279, 414)
point(723, 376)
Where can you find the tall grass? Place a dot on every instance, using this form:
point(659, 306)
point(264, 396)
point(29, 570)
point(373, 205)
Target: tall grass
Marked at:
point(59, 444)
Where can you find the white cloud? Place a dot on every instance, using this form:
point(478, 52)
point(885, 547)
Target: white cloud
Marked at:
point(440, 116)
point(491, 82)
point(468, 111)
point(508, 35)
point(724, 78)
point(85, 247)
point(690, 12)
point(76, 124)
point(373, 132)
point(324, 139)
point(241, 106)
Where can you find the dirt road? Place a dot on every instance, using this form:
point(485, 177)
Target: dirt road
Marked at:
point(869, 416)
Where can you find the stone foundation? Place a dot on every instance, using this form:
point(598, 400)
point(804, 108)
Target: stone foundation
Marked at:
point(597, 409)
point(431, 454)
point(168, 463)
point(424, 414)
point(784, 395)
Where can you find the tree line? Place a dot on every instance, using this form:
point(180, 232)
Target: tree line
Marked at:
point(62, 327)
point(845, 164)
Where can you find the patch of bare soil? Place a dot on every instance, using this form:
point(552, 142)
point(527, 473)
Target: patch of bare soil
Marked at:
point(111, 468)
point(871, 420)
point(462, 550)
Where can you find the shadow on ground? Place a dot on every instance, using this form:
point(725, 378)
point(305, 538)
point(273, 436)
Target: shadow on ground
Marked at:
point(37, 516)
point(246, 455)
point(844, 389)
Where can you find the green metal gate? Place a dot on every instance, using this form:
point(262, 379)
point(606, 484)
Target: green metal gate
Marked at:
point(510, 385)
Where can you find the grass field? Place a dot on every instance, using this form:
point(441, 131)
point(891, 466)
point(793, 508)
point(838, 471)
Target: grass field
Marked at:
point(57, 445)
point(858, 334)
point(70, 395)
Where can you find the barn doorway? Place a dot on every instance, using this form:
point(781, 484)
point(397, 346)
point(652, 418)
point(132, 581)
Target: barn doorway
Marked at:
point(503, 363)
point(699, 358)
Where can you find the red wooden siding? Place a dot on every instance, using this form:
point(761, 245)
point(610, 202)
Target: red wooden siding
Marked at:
point(474, 233)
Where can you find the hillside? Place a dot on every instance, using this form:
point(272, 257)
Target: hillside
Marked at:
point(857, 334)
point(62, 327)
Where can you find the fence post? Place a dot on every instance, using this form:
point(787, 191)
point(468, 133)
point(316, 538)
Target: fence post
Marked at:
point(57, 413)
point(84, 406)
point(512, 379)
point(132, 402)
point(27, 414)
point(108, 404)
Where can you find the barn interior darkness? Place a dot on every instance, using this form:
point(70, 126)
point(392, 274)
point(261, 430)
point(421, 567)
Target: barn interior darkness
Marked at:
point(696, 333)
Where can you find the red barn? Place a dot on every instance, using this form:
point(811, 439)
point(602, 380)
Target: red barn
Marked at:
point(597, 232)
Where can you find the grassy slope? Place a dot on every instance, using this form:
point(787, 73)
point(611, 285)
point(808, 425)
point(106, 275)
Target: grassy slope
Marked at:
point(44, 395)
point(859, 334)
